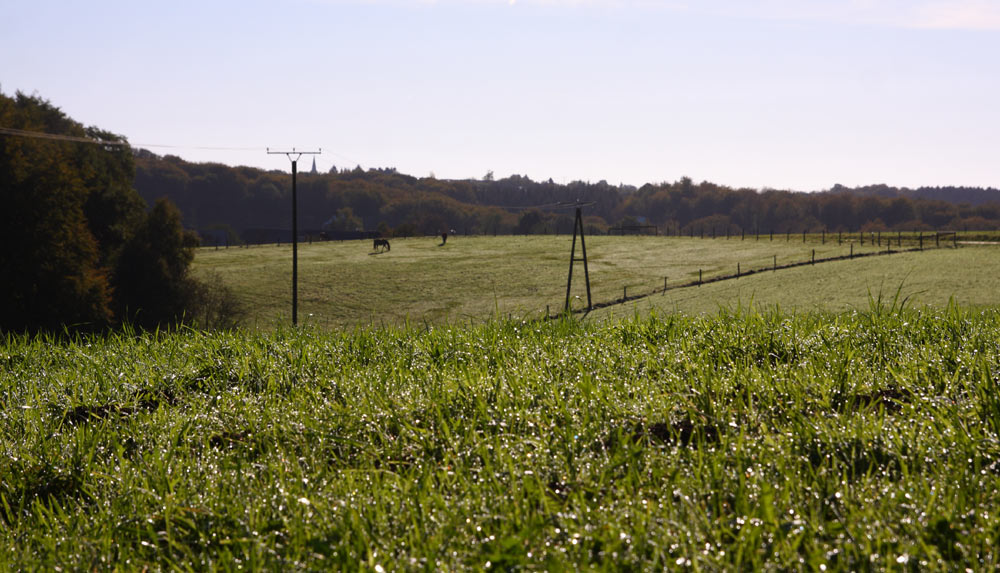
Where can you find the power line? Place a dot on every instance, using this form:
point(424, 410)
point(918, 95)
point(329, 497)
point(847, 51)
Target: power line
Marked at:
point(57, 137)
point(200, 148)
point(76, 139)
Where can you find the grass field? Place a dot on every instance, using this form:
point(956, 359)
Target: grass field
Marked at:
point(738, 441)
point(473, 278)
point(969, 277)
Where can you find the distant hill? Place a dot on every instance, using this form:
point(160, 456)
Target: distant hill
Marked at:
point(955, 195)
point(243, 202)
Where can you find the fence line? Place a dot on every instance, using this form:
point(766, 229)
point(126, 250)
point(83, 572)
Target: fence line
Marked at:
point(744, 273)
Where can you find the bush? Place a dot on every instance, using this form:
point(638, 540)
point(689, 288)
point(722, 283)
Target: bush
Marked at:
point(212, 305)
point(151, 281)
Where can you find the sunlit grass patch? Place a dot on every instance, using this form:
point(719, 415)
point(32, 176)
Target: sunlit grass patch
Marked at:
point(742, 440)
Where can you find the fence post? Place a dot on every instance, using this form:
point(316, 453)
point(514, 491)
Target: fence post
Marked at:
point(937, 239)
point(737, 270)
point(814, 257)
point(921, 239)
point(774, 266)
point(823, 240)
point(625, 293)
point(852, 251)
point(880, 238)
point(803, 236)
point(699, 277)
point(664, 285)
point(955, 239)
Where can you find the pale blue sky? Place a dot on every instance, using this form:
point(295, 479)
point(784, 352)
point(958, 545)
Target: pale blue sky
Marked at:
point(784, 94)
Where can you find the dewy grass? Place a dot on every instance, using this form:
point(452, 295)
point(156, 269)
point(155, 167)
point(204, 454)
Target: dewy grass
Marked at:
point(744, 440)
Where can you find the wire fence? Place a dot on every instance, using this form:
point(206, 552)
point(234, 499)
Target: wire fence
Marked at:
point(742, 270)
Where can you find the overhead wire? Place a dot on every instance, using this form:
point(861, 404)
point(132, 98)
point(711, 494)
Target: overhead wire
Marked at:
point(58, 137)
point(198, 147)
point(77, 139)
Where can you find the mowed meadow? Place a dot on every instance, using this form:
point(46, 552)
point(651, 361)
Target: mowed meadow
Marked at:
point(842, 416)
point(471, 279)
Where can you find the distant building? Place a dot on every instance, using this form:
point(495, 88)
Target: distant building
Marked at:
point(313, 171)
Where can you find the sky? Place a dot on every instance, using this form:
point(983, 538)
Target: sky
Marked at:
point(779, 94)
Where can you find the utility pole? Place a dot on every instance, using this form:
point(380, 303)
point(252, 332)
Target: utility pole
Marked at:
point(294, 156)
point(578, 228)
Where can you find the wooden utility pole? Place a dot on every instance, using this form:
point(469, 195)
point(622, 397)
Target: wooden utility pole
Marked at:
point(294, 156)
point(578, 228)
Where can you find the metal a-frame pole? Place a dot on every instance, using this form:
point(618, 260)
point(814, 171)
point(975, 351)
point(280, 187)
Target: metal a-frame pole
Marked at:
point(295, 226)
point(578, 225)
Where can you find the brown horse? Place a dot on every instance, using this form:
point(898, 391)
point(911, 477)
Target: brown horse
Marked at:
point(381, 244)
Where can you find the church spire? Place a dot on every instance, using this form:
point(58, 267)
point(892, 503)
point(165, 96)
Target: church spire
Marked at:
point(314, 166)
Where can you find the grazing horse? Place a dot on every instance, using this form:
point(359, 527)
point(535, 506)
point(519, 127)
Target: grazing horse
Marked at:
point(381, 244)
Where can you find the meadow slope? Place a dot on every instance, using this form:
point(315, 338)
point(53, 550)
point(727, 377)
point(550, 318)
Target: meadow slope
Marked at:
point(470, 279)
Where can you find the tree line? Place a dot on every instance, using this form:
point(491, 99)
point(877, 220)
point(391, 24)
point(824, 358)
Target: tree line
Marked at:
point(81, 249)
point(237, 201)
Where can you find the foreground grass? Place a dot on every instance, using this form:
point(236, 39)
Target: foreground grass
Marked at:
point(734, 441)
